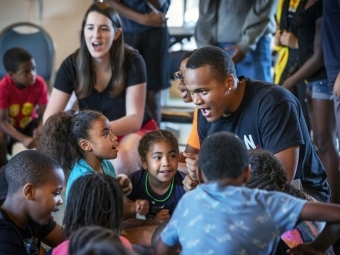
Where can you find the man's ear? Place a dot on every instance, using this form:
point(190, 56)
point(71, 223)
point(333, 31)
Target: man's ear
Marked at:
point(229, 82)
point(246, 174)
point(85, 145)
point(29, 191)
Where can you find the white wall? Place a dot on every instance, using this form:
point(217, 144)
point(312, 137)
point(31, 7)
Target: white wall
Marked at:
point(61, 18)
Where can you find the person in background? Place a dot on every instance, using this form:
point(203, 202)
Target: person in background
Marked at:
point(23, 100)
point(145, 29)
point(107, 76)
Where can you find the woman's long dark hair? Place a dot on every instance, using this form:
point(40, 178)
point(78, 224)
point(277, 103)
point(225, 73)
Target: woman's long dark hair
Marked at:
point(86, 76)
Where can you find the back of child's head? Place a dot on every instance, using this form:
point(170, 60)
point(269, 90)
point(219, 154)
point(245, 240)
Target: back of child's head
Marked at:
point(268, 173)
point(94, 200)
point(61, 134)
point(13, 57)
point(3, 182)
point(153, 137)
point(96, 240)
point(222, 155)
point(28, 166)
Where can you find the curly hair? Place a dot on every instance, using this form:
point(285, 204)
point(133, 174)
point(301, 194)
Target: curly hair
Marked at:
point(96, 240)
point(268, 173)
point(153, 137)
point(14, 57)
point(61, 134)
point(216, 58)
point(94, 199)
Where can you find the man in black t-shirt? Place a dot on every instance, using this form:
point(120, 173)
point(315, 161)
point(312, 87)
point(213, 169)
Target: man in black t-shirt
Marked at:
point(263, 115)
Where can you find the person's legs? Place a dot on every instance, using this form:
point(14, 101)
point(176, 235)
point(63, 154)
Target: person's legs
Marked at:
point(127, 160)
point(324, 130)
point(262, 58)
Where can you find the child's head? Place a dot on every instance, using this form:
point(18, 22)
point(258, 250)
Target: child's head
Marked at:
point(96, 240)
point(20, 65)
point(94, 200)
point(3, 182)
point(223, 156)
point(179, 76)
point(268, 173)
point(35, 180)
point(158, 151)
point(67, 138)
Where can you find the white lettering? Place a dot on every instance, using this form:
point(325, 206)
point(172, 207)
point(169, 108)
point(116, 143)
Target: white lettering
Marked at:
point(249, 142)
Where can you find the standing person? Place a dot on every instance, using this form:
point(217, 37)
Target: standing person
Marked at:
point(23, 100)
point(262, 114)
point(321, 107)
point(35, 182)
point(109, 77)
point(221, 216)
point(145, 29)
point(158, 182)
point(248, 38)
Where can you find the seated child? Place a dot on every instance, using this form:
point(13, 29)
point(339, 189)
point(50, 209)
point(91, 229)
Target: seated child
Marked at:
point(158, 182)
point(21, 90)
point(94, 200)
point(83, 143)
point(221, 216)
point(95, 240)
point(34, 185)
point(268, 173)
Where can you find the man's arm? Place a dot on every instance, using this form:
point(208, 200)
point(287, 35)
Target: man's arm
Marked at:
point(289, 159)
point(152, 19)
point(8, 129)
point(55, 237)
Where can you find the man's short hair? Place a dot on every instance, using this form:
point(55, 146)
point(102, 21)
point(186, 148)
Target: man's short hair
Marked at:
point(216, 58)
point(14, 57)
point(223, 155)
point(3, 182)
point(28, 166)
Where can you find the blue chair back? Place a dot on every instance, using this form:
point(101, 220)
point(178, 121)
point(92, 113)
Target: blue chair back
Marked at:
point(37, 42)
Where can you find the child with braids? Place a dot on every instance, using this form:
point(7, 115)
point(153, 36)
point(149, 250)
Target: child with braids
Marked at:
point(268, 173)
point(94, 200)
point(158, 182)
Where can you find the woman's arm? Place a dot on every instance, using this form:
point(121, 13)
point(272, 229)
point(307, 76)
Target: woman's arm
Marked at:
point(58, 101)
point(135, 107)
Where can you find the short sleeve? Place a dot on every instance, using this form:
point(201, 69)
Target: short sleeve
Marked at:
point(135, 69)
point(137, 179)
point(4, 95)
point(284, 210)
point(193, 139)
point(42, 91)
point(66, 76)
point(280, 126)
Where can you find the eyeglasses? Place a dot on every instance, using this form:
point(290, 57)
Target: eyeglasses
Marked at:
point(179, 77)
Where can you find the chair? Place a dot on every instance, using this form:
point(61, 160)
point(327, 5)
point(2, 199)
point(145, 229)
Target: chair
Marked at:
point(36, 41)
point(176, 111)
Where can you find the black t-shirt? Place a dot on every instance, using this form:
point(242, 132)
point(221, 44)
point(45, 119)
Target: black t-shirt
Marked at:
point(17, 241)
point(139, 181)
point(270, 117)
point(112, 108)
point(306, 33)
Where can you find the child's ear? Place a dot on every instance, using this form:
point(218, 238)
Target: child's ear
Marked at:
point(246, 174)
point(85, 145)
point(144, 164)
point(29, 191)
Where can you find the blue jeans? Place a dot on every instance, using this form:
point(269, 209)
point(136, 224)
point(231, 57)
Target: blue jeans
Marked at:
point(320, 90)
point(257, 63)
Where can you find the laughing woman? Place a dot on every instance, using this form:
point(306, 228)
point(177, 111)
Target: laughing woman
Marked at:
point(110, 77)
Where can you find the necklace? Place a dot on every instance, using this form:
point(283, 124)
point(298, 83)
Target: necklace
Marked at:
point(158, 200)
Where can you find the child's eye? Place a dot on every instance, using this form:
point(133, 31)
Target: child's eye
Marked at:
point(204, 92)
point(173, 156)
point(157, 158)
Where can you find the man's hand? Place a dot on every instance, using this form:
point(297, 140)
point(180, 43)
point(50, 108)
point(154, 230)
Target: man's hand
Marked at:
point(306, 248)
point(238, 55)
point(28, 142)
point(142, 206)
point(163, 215)
point(277, 38)
point(289, 39)
point(191, 164)
point(154, 19)
point(189, 184)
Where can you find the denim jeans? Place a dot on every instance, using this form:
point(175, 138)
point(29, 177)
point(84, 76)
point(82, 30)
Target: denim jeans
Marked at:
point(257, 63)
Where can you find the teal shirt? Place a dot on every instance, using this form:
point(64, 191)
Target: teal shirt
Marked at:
point(81, 168)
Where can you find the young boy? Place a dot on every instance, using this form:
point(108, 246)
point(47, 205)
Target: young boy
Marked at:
point(21, 90)
point(222, 217)
point(34, 185)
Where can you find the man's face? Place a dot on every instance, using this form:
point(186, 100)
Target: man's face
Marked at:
point(209, 95)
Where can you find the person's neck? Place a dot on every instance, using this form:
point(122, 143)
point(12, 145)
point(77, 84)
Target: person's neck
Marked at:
point(102, 64)
point(94, 162)
point(15, 210)
point(160, 188)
